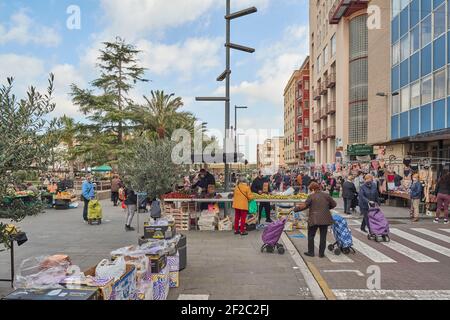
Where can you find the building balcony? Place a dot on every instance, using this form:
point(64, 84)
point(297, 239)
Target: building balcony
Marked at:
point(317, 137)
point(345, 8)
point(323, 113)
point(316, 94)
point(331, 107)
point(316, 117)
point(331, 132)
point(331, 80)
point(323, 89)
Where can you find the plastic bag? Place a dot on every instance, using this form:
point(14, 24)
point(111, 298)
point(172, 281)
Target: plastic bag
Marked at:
point(43, 272)
point(111, 269)
point(252, 207)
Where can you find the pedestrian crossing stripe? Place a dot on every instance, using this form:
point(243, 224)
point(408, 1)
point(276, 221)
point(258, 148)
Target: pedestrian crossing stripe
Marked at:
point(433, 234)
point(193, 297)
point(445, 230)
point(371, 253)
point(330, 255)
point(366, 294)
point(421, 242)
point(410, 253)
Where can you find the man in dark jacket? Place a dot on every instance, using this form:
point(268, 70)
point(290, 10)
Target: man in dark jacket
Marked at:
point(367, 193)
point(348, 193)
point(206, 179)
point(306, 181)
point(261, 185)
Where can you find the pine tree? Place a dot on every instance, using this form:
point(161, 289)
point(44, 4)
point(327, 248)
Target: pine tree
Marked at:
point(107, 105)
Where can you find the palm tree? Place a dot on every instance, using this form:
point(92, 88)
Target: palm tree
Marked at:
point(161, 114)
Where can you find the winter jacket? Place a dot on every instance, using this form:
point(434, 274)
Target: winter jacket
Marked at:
point(204, 182)
point(258, 185)
point(366, 194)
point(131, 197)
point(306, 181)
point(242, 195)
point(115, 185)
point(416, 190)
point(88, 190)
point(442, 187)
point(348, 190)
point(319, 205)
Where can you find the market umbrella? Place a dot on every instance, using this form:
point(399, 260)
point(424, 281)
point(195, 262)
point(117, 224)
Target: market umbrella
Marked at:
point(104, 168)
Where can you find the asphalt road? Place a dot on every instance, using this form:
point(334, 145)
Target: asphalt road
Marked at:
point(414, 265)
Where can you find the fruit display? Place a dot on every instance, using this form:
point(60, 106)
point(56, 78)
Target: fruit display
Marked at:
point(64, 196)
point(26, 193)
point(300, 196)
point(177, 195)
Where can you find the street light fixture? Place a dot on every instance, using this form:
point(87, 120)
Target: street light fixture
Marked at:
point(239, 47)
point(213, 99)
point(241, 13)
point(226, 76)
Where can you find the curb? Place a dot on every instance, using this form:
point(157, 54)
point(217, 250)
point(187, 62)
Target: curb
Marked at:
point(311, 281)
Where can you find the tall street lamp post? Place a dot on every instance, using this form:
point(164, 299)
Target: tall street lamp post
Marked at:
point(235, 125)
point(226, 76)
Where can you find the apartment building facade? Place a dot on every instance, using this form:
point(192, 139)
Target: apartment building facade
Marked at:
point(270, 155)
point(290, 121)
point(420, 78)
point(302, 115)
point(341, 84)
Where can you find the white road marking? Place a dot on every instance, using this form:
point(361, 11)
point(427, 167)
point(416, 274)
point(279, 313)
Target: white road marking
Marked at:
point(445, 230)
point(193, 297)
point(433, 234)
point(311, 282)
point(359, 273)
point(371, 253)
point(366, 294)
point(330, 255)
point(422, 242)
point(410, 253)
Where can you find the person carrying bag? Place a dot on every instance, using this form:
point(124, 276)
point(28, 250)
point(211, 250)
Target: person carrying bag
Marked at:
point(242, 196)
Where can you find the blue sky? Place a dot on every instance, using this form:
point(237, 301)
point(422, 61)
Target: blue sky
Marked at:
point(182, 43)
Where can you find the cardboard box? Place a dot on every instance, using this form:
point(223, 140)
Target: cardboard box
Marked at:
point(174, 279)
point(159, 232)
point(157, 262)
point(161, 284)
point(54, 294)
point(122, 289)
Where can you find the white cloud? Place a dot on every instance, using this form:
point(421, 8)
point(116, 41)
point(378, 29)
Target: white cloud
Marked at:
point(24, 30)
point(181, 59)
point(135, 18)
point(278, 62)
point(65, 76)
point(24, 69)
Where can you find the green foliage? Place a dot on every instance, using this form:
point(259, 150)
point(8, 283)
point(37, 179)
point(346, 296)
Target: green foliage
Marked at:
point(108, 106)
point(24, 145)
point(148, 167)
point(161, 114)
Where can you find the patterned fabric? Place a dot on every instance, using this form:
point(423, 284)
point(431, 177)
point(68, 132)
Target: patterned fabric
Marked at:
point(342, 232)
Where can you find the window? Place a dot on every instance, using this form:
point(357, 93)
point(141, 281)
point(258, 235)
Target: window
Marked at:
point(306, 123)
point(426, 90)
point(325, 55)
point(426, 31)
point(405, 99)
point(439, 21)
point(306, 142)
point(333, 45)
point(404, 48)
point(415, 95)
point(448, 80)
point(439, 85)
point(396, 104)
point(403, 4)
point(396, 53)
point(395, 7)
point(415, 39)
point(318, 64)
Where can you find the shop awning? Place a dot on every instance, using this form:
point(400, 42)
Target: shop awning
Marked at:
point(104, 168)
